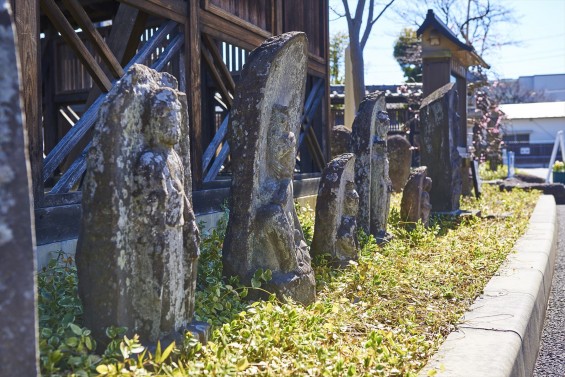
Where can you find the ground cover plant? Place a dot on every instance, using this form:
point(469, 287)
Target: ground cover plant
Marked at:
point(385, 314)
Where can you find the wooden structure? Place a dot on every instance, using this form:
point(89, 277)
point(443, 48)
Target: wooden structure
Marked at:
point(446, 59)
point(73, 51)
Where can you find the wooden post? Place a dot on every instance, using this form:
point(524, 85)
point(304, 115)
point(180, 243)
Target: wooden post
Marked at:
point(26, 15)
point(193, 90)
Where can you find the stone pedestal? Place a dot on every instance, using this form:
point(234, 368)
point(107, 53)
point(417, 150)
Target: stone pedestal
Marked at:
point(438, 132)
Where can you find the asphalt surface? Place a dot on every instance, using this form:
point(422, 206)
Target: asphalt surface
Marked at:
point(551, 358)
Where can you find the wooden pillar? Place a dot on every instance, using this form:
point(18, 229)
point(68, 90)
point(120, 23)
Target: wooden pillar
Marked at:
point(436, 73)
point(193, 90)
point(26, 15)
point(327, 116)
point(462, 110)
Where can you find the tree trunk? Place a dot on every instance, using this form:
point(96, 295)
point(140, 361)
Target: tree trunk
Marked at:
point(357, 69)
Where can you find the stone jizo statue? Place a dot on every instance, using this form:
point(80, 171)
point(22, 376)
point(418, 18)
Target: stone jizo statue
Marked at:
point(335, 231)
point(415, 205)
point(263, 230)
point(138, 242)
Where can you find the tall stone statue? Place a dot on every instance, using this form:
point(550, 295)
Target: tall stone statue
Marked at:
point(368, 143)
point(263, 230)
point(439, 125)
point(415, 205)
point(19, 348)
point(138, 242)
point(335, 231)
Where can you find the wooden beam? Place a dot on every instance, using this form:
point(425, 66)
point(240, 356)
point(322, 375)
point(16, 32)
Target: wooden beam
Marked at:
point(231, 32)
point(217, 57)
point(193, 77)
point(85, 23)
point(70, 140)
point(175, 10)
point(26, 15)
point(217, 78)
point(67, 32)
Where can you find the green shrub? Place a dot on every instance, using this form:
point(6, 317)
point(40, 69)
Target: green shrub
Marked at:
point(385, 314)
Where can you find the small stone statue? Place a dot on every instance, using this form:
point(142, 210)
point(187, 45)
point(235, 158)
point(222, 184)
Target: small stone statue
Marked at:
point(415, 205)
point(138, 241)
point(263, 230)
point(335, 231)
point(399, 153)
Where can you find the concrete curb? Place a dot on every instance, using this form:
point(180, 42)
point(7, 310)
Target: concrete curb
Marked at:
point(500, 334)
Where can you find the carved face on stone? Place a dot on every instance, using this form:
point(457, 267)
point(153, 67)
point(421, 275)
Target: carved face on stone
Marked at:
point(351, 200)
point(280, 144)
point(165, 118)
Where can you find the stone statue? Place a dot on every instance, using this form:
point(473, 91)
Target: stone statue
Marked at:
point(138, 242)
point(335, 231)
point(368, 143)
point(263, 230)
point(400, 158)
point(340, 140)
point(19, 346)
point(439, 128)
point(415, 205)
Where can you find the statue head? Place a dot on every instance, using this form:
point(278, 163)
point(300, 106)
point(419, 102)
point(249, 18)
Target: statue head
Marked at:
point(351, 200)
point(165, 119)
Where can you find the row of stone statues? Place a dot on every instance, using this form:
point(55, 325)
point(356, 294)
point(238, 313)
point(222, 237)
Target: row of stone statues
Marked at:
point(138, 243)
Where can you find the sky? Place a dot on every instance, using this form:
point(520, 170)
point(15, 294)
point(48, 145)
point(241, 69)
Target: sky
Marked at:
point(539, 29)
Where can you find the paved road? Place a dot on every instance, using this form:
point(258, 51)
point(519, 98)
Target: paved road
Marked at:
point(551, 358)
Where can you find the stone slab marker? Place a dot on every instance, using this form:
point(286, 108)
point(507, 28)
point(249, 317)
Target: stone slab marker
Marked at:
point(438, 150)
point(381, 187)
point(335, 231)
point(19, 354)
point(368, 143)
point(340, 141)
point(263, 229)
point(400, 159)
point(138, 241)
point(415, 205)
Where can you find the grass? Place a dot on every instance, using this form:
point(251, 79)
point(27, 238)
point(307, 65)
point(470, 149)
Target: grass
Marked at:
point(385, 314)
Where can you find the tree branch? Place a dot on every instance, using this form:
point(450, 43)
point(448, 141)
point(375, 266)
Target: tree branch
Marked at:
point(371, 22)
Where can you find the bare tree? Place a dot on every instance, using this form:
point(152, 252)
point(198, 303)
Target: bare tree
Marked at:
point(475, 21)
point(359, 36)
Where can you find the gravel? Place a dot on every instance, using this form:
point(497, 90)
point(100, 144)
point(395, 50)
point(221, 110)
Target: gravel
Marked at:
point(551, 358)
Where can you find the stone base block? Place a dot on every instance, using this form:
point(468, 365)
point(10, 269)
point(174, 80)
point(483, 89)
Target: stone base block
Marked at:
point(301, 288)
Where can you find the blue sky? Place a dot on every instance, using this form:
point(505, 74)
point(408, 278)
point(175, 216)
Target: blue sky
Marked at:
point(540, 29)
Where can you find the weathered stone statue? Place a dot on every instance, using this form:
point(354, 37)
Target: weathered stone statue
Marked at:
point(340, 140)
point(381, 188)
point(263, 230)
point(368, 143)
point(19, 351)
point(439, 125)
point(335, 231)
point(415, 205)
point(138, 243)
point(400, 158)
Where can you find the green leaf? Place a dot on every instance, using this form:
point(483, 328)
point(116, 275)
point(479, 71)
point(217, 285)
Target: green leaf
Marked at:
point(255, 283)
point(166, 353)
point(75, 329)
point(242, 364)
